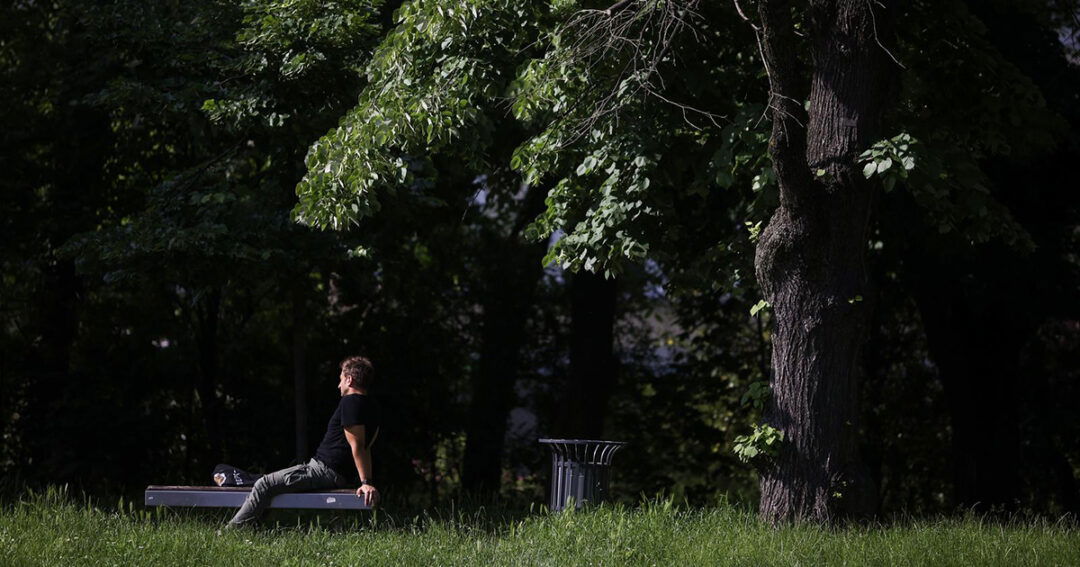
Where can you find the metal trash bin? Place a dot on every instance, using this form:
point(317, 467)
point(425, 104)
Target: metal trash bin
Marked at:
point(580, 469)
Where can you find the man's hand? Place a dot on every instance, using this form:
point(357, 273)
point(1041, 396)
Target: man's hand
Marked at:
point(369, 493)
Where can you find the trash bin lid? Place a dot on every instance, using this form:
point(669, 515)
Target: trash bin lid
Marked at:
point(582, 441)
point(588, 451)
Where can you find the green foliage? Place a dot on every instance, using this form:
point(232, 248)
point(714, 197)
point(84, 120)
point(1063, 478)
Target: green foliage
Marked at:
point(882, 156)
point(763, 442)
point(608, 198)
point(596, 137)
point(953, 194)
point(626, 161)
point(428, 85)
point(296, 61)
point(743, 151)
point(757, 394)
point(619, 148)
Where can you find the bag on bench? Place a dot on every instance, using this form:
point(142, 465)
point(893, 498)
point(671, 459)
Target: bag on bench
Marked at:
point(228, 475)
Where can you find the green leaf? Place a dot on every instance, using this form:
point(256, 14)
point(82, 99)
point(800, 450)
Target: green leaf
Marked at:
point(869, 169)
point(724, 179)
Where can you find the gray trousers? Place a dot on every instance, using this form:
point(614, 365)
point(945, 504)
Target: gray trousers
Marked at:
point(311, 476)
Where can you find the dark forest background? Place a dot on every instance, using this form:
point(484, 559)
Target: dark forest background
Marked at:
point(160, 311)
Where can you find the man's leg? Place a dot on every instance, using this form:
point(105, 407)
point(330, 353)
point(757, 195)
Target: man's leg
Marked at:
point(309, 476)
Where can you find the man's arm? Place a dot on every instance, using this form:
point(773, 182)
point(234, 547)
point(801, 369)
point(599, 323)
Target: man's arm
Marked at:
point(361, 454)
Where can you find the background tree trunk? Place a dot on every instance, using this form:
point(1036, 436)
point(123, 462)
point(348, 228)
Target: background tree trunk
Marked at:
point(57, 322)
point(592, 360)
point(299, 366)
point(977, 353)
point(810, 259)
point(507, 300)
point(207, 319)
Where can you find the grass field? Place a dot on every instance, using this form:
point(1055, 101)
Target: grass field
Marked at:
point(51, 529)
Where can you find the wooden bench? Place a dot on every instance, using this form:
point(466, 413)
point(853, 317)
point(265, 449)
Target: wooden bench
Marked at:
point(234, 496)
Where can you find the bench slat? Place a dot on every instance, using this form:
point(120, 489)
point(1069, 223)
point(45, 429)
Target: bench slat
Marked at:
point(233, 497)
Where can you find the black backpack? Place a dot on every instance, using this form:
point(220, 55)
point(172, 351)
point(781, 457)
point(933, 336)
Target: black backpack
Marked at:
point(228, 475)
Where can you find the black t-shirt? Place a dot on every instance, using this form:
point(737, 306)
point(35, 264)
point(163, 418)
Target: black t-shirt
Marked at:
point(334, 451)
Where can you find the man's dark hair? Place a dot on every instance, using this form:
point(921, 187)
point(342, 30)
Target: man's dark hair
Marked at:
point(358, 370)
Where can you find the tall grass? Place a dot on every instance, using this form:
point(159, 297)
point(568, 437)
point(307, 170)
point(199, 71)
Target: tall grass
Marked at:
point(51, 529)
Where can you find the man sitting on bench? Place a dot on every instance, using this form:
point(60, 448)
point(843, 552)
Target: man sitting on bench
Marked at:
point(343, 457)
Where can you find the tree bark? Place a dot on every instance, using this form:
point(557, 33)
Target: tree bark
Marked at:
point(810, 259)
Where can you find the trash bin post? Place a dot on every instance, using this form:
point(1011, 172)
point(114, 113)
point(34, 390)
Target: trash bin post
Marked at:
point(580, 469)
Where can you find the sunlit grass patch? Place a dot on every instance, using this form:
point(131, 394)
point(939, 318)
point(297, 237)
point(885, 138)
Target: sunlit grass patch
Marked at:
point(54, 529)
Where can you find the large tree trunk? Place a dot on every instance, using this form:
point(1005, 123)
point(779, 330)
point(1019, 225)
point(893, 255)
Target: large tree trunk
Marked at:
point(503, 335)
point(810, 259)
point(592, 359)
point(512, 274)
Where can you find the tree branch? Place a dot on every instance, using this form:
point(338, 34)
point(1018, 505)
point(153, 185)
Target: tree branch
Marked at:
point(636, 39)
point(738, 9)
point(617, 7)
